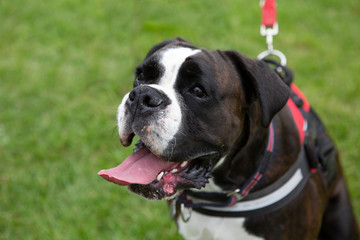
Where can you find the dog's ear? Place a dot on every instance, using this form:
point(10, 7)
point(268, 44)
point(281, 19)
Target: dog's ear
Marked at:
point(158, 46)
point(262, 83)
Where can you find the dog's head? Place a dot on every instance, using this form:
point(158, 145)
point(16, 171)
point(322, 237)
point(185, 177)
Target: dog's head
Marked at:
point(188, 108)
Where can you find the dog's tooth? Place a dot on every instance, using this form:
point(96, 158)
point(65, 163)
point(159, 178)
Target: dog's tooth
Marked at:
point(183, 164)
point(174, 170)
point(159, 176)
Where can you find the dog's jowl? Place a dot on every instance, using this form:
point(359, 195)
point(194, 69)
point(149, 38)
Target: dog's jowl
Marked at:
point(233, 145)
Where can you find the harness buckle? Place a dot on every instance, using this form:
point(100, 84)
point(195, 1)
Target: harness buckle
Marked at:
point(235, 193)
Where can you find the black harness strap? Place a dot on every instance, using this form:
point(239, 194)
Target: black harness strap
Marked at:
point(257, 203)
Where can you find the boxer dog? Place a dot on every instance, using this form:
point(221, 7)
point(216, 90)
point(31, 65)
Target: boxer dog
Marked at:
point(240, 154)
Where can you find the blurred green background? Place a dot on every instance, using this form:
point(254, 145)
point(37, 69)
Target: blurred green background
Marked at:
point(65, 65)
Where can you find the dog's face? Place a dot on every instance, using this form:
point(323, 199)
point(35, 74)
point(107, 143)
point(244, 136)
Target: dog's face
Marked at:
point(187, 107)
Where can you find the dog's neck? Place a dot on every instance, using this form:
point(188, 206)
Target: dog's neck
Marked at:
point(247, 153)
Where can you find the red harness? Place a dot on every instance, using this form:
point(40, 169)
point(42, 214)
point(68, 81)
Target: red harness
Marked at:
point(296, 112)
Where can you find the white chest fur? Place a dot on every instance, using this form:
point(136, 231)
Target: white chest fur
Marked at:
point(202, 227)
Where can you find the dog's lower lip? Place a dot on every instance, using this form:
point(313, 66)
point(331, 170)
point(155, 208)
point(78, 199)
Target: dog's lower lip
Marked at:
point(127, 140)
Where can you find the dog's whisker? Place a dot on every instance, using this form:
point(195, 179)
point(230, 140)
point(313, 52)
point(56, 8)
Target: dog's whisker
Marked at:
point(114, 132)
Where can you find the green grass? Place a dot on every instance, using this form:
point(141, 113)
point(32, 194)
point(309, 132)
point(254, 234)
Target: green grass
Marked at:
point(64, 66)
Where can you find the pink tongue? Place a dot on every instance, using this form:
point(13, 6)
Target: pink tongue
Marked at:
point(141, 167)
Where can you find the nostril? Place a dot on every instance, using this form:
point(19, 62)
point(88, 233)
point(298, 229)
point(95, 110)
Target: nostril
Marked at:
point(146, 99)
point(152, 101)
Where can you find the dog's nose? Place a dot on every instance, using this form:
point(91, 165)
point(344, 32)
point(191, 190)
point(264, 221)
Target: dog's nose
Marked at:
point(147, 99)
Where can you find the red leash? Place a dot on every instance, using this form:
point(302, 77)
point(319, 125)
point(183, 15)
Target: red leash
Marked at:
point(269, 28)
point(268, 13)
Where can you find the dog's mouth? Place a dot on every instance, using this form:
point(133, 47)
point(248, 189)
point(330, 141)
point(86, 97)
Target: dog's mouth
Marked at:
point(156, 178)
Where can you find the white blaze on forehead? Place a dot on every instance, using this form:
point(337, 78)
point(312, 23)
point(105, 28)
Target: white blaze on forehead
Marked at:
point(172, 59)
point(170, 121)
point(162, 130)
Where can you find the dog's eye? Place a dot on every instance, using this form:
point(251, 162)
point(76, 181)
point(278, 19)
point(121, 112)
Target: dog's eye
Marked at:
point(199, 92)
point(140, 76)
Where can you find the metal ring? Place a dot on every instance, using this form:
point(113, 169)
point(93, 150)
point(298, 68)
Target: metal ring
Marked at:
point(273, 52)
point(189, 212)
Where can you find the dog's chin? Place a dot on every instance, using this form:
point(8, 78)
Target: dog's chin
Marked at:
point(189, 174)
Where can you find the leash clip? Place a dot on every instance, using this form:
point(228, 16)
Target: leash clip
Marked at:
point(269, 33)
point(269, 28)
